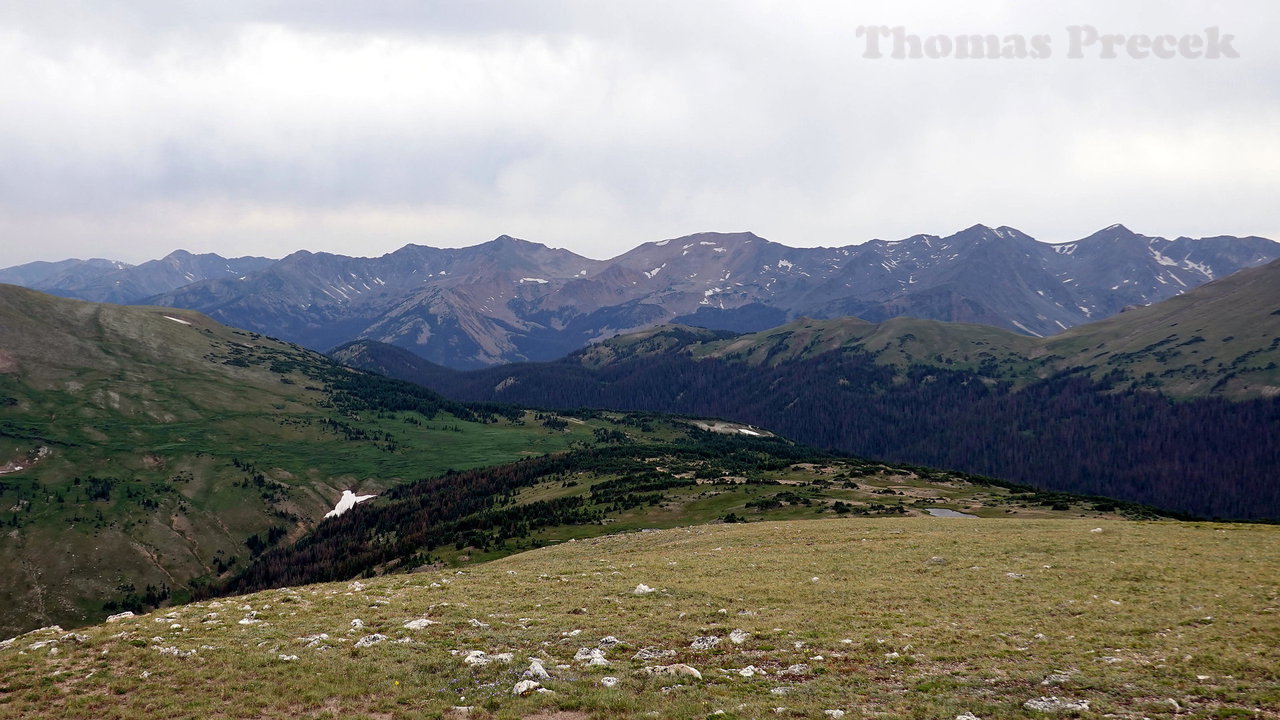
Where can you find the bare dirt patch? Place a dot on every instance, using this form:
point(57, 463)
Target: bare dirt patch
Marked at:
point(7, 363)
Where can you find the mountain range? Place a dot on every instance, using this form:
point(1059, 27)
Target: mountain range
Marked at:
point(509, 300)
point(1174, 404)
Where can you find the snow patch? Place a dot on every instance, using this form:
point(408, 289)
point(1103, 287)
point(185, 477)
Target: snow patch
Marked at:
point(348, 501)
point(745, 431)
point(1199, 267)
point(786, 264)
point(177, 320)
point(1027, 330)
point(540, 281)
point(651, 273)
point(1162, 259)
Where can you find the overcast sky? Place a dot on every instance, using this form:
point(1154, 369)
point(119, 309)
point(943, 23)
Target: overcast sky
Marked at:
point(135, 127)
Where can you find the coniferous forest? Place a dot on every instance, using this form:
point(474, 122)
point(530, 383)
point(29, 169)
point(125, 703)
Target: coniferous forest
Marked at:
point(1206, 457)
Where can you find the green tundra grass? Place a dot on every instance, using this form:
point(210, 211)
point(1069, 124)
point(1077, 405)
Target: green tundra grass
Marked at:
point(893, 617)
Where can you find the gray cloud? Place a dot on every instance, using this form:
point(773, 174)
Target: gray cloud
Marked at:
point(137, 127)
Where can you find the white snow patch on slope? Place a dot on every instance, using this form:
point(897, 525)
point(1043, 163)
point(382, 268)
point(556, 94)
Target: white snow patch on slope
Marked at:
point(1026, 329)
point(1199, 267)
point(346, 502)
point(177, 320)
point(540, 281)
point(651, 273)
point(785, 264)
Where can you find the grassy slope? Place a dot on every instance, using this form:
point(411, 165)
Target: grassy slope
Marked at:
point(164, 410)
point(1137, 617)
point(1223, 337)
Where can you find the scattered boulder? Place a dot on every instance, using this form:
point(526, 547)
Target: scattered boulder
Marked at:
point(526, 687)
point(594, 657)
point(609, 681)
point(608, 641)
point(968, 716)
point(837, 714)
point(314, 640)
point(739, 636)
point(677, 670)
point(536, 670)
point(419, 624)
point(705, 642)
point(936, 560)
point(642, 589)
point(368, 640)
point(653, 653)
point(288, 658)
point(1056, 704)
point(1055, 679)
point(480, 657)
point(120, 616)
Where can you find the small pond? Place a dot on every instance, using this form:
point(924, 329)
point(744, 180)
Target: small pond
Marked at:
point(943, 512)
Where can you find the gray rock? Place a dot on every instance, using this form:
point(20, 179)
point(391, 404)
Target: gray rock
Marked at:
point(705, 642)
point(1056, 704)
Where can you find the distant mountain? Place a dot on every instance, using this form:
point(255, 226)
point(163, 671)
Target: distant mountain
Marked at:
point(509, 300)
point(1075, 412)
point(111, 281)
point(52, 275)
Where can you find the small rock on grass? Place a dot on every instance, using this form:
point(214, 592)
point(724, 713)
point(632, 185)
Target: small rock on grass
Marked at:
point(705, 643)
point(739, 636)
point(642, 589)
point(609, 681)
point(526, 687)
point(594, 657)
point(968, 716)
point(676, 670)
point(653, 653)
point(1056, 704)
point(368, 640)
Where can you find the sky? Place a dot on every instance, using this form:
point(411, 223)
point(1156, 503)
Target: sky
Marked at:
point(136, 127)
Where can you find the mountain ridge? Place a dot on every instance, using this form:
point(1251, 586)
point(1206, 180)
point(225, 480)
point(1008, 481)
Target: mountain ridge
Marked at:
point(510, 300)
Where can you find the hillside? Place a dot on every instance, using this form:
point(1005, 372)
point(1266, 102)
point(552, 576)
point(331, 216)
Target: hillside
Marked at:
point(910, 617)
point(144, 449)
point(1222, 338)
point(1074, 413)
